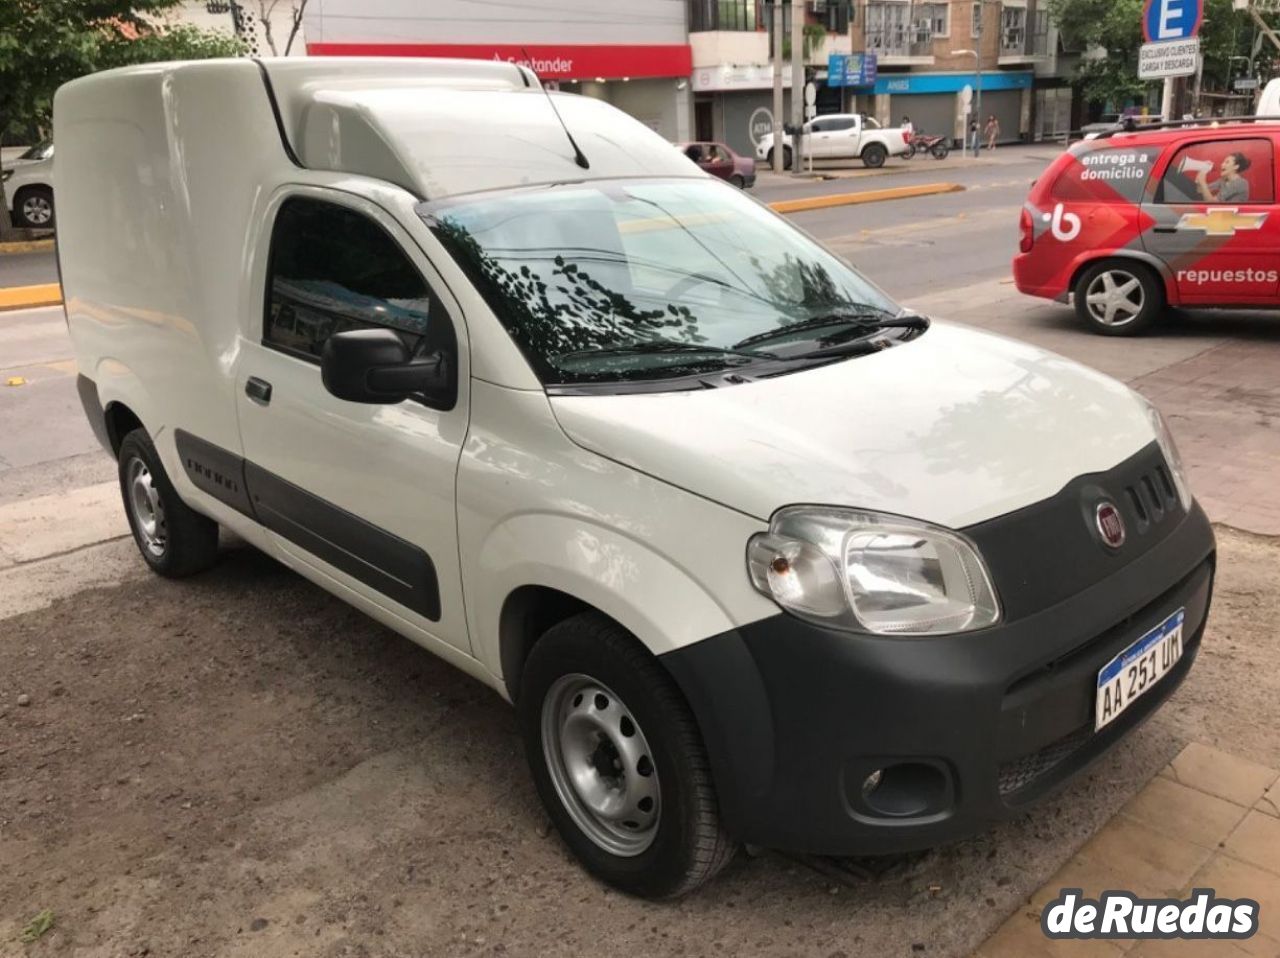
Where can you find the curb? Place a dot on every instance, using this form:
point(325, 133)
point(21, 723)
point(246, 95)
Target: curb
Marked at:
point(26, 246)
point(28, 297)
point(867, 196)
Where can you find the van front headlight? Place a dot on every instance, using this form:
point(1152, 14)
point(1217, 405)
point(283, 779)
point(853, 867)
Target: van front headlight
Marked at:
point(1169, 449)
point(867, 572)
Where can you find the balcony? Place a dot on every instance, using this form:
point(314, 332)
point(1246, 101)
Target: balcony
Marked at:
point(1017, 45)
point(900, 45)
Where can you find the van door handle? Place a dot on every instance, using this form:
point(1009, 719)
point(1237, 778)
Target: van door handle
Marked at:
point(1165, 229)
point(259, 390)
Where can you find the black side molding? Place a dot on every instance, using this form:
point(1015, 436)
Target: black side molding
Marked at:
point(213, 470)
point(398, 569)
point(93, 410)
point(381, 560)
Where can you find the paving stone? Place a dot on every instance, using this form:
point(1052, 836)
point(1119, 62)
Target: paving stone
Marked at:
point(1177, 811)
point(1218, 773)
point(1231, 878)
point(1152, 864)
point(1269, 804)
point(1257, 841)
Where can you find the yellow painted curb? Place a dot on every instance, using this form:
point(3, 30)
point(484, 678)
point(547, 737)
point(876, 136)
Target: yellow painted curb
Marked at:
point(27, 246)
point(866, 196)
point(26, 297)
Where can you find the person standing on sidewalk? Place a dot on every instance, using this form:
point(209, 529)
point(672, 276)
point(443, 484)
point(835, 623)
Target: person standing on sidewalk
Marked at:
point(975, 140)
point(992, 131)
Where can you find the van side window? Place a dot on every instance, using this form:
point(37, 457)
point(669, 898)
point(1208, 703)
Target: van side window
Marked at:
point(1221, 171)
point(333, 269)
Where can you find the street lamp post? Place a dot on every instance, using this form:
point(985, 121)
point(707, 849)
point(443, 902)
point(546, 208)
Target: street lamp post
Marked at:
point(977, 105)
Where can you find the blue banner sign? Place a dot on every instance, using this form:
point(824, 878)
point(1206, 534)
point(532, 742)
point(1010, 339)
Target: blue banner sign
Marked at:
point(852, 69)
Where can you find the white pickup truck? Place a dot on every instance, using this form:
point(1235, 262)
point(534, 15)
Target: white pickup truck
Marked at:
point(841, 135)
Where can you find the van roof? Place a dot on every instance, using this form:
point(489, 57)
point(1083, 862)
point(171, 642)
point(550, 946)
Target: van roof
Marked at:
point(435, 127)
point(445, 127)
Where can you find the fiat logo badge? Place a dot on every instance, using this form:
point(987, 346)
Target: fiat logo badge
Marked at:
point(1110, 524)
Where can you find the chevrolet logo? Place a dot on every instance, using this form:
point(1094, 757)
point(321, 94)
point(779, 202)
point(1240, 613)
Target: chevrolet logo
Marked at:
point(1222, 221)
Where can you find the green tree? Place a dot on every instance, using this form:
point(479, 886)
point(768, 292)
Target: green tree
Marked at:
point(45, 43)
point(1115, 26)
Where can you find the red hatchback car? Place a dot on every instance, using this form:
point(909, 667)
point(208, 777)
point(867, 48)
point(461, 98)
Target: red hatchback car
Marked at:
point(1129, 223)
point(718, 160)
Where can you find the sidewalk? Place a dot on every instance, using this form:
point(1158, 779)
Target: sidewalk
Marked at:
point(1208, 820)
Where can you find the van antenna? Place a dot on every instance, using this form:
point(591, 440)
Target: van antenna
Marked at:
point(578, 156)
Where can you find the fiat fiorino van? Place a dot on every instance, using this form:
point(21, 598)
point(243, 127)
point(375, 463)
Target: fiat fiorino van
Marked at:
point(758, 556)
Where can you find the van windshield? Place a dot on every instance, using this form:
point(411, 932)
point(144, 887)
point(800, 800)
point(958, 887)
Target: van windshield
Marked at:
point(620, 281)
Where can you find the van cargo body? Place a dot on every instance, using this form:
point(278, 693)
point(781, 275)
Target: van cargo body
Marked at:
point(757, 555)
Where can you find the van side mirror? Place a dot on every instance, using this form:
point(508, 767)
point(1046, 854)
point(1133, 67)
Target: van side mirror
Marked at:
point(374, 366)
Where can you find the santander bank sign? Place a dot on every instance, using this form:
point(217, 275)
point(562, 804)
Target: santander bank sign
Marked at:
point(550, 62)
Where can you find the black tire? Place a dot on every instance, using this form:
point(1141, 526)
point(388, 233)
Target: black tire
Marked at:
point(688, 846)
point(874, 155)
point(941, 151)
point(912, 149)
point(738, 181)
point(786, 158)
point(1143, 302)
point(39, 198)
point(187, 542)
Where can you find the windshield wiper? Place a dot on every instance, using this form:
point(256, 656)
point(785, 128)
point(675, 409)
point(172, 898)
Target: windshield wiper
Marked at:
point(864, 342)
point(868, 317)
point(658, 347)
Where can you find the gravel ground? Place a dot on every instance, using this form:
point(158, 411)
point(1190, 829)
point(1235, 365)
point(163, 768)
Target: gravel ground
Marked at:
point(241, 765)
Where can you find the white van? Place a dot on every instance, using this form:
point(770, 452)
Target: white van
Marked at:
point(758, 556)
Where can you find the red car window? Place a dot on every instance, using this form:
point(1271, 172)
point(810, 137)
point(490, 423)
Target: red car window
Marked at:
point(1106, 172)
point(1220, 171)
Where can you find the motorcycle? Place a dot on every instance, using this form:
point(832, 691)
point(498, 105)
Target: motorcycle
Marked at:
point(938, 146)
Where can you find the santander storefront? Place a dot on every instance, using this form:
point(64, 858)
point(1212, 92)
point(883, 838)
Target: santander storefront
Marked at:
point(635, 55)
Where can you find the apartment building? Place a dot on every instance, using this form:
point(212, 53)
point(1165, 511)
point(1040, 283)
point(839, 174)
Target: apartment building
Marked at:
point(930, 51)
point(732, 79)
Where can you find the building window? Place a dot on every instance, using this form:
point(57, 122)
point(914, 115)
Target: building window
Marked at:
point(975, 28)
point(1013, 31)
point(723, 15)
point(935, 18)
point(890, 28)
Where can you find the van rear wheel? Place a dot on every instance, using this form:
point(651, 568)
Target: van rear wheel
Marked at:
point(618, 761)
point(1116, 298)
point(175, 540)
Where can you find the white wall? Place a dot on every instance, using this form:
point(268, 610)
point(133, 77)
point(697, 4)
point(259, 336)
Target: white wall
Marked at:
point(497, 21)
point(658, 104)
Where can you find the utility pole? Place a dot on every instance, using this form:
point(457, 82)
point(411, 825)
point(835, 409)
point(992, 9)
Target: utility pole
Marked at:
point(797, 84)
point(977, 100)
point(778, 150)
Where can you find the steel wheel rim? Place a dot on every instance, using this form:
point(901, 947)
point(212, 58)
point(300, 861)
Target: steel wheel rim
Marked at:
point(36, 209)
point(1115, 297)
point(601, 765)
point(146, 508)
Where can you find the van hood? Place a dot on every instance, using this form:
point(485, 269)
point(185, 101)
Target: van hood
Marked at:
point(954, 427)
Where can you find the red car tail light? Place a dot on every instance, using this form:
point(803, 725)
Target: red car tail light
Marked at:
point(1027, 231)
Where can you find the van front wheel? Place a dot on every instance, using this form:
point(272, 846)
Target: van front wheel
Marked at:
point(175, 540)
point(1119, 299)
point(618, 761)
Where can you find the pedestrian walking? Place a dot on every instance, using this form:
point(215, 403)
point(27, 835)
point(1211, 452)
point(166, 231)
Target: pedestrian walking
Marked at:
point(992, 131)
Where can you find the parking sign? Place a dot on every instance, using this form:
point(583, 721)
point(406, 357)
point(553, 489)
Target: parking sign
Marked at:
point(1168, 20)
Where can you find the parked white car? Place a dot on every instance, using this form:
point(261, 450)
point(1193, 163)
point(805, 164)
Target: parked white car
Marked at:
point(28, 188)
point(757, 555)
point(841, 135)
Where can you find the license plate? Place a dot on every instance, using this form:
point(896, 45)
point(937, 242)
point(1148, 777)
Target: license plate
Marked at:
point(1137, 669)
